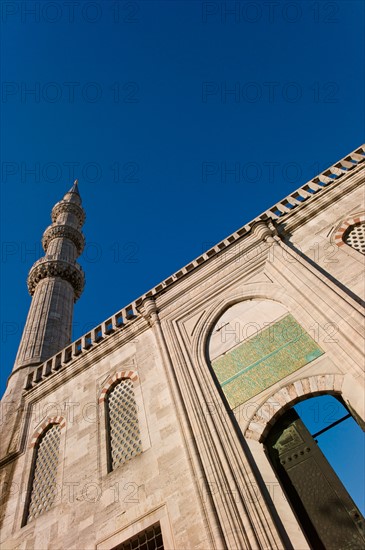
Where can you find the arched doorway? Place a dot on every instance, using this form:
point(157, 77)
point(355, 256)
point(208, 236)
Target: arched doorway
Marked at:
point(254, 345)
point(328, 515)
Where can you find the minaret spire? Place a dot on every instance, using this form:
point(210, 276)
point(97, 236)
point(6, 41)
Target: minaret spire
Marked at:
point(75, 187)
point(55, 282)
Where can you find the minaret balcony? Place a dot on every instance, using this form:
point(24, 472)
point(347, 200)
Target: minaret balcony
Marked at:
point(64, 232)
point(68, 207)
point(55, 266)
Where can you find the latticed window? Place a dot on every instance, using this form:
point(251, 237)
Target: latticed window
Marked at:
point(355, 237)
point(150, 539)
point(124, 434)
point(43, 482)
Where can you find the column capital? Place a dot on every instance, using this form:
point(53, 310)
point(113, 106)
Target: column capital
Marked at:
point(149, 310)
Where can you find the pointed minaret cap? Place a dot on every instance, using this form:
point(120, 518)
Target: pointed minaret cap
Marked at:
point(73, 195)
point(75, 187)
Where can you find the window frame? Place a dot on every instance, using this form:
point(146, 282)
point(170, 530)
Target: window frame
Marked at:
point(103, 420)
point(108, 425)
point(157, 515)
point(341, 230)
point(34, 445)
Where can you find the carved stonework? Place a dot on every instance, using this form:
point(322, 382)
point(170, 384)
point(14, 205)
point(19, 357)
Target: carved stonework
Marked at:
point(47, 267)
point(63, 231)
point(148, 308)
point(71, 207)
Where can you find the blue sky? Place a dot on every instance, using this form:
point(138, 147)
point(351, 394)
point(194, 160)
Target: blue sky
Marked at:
point(343, 445)
point(151, 104)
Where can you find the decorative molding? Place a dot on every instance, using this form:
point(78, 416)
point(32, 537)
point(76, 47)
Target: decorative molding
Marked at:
point(64, 231)
point(45, 424)
point(345, 224)
point(121, 375)
point(71, 207)
point(149, 310)
point(64, 268)
point(214, 440)
point(283, 399)
point(98, 342)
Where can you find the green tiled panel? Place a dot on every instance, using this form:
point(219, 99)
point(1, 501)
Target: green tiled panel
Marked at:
point(258, 363)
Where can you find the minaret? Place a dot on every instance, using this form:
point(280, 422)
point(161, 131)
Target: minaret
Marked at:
point(55, 282)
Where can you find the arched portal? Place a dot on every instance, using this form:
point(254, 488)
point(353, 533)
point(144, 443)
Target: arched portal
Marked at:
point(265, 358)
point(325, 510)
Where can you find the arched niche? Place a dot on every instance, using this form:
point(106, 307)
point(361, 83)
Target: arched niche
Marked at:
point(253, 345)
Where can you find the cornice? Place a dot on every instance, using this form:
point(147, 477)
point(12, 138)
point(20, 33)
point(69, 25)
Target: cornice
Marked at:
point(67, 364)
point(212, 279)
point(298, 201)
point(295, 220)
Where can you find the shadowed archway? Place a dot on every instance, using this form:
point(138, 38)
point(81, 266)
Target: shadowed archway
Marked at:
point(325, 510)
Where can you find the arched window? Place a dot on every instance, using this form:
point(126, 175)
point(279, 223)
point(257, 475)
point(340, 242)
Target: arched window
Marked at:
point(43, 487)
point(354, 236)
point(351, 232)
point(123, 426)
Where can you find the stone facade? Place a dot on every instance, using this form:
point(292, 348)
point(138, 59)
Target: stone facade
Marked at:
point(201, 471)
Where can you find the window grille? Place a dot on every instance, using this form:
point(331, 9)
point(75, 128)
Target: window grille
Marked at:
point(43, 491)
point(150, 539)
point(355, 237)
point(124, 434)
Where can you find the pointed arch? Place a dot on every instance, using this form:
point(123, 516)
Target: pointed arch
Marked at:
point(345, 226)
point(250, 291)
point(279, 402)
point(111, 380)
point(42, 428)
